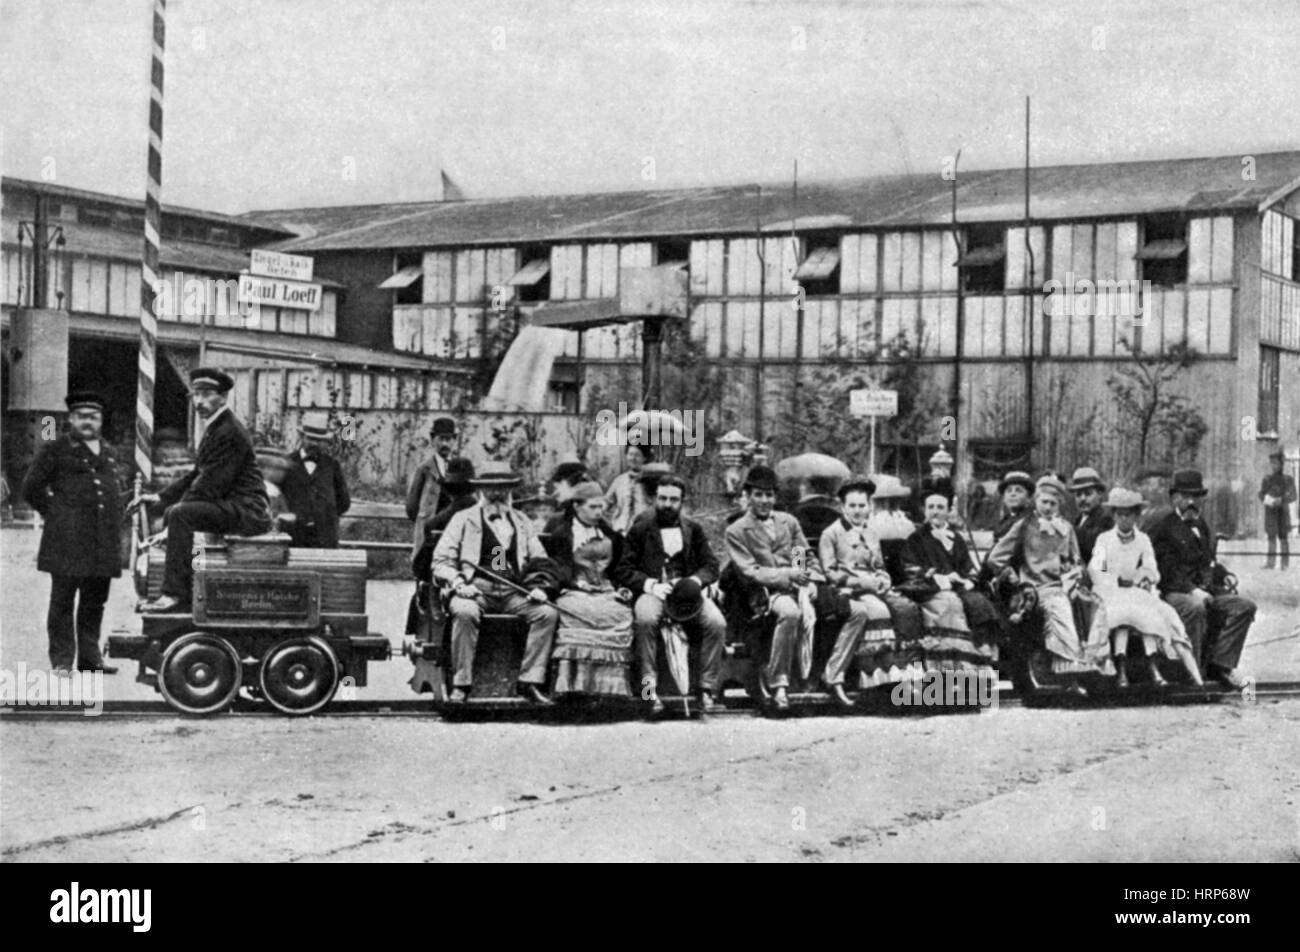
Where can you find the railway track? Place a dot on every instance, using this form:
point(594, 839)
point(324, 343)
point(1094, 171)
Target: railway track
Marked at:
point(734, 704)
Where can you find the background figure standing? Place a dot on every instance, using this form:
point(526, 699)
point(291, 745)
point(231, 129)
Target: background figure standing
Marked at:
point(314, 488)
point(73, 484)
point(1277, 493)
point(624, 500)
point(424, 494)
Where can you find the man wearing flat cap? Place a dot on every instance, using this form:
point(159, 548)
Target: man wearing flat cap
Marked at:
point(73, 484)
point(1094, 519)
point(314, 488)
point(424, 496)
point(1217, 621)
point(481, 559)
point(224, 492)
point(1277, 493)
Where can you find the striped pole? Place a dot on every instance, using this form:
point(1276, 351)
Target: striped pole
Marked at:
point(149, 265)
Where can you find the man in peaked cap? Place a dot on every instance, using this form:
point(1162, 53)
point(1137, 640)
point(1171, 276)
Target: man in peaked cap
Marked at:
point(1277, 493)
point(224, 492)
point(314, 487)
point(1094, 518)
point(73, 484)
point(424, 498)
point(1217, 622)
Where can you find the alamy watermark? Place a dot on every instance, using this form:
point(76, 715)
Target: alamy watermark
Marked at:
point(1084, 297)
point(38, 687)
point(948, 688)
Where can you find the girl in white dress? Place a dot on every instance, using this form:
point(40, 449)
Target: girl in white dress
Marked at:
point(1124, 575)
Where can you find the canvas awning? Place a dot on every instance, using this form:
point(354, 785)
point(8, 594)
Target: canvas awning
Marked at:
point(1162, 250)
point(982, 257)
point(404, 278)
point(819, 265)
point(532, 272)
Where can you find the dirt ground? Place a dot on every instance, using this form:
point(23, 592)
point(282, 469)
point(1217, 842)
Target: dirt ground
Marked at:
point(1215, 781)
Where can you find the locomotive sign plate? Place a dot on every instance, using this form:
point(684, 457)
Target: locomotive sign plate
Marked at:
point(257, 598)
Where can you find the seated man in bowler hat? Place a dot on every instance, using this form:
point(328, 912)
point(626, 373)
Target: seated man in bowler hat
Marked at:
point(224, 492)
point(1217, 621)
point(1094, 518)
point(667, 562)
point(73, 484)
point(481, 559)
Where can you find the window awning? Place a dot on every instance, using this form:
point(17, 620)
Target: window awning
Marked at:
point(531, 273)
point(982, 257)
point(404, 278)
point(819, 264)
point(1162, 250)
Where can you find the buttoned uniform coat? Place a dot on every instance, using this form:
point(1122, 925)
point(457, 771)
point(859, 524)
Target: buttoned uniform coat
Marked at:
point(643, 557)
point(78, 495)
point(226, 474)
point(317, 499)
point(463, 540)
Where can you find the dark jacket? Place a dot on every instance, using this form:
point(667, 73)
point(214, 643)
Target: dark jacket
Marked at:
point(317, 499)
point(643, 557)
point(559, 546)
point(1093, 525)
point(78, 495)
point(1183, 559)
point(924, 556)
point(225, 473)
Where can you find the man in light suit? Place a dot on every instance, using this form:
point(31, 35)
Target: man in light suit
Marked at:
point(769, 549)
point(494, 536)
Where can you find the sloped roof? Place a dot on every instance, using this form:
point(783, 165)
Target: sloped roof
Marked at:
point(1066, 191)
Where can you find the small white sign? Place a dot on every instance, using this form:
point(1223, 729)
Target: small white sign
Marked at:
point(275, 264)
point(272, 292)
point(873, 403)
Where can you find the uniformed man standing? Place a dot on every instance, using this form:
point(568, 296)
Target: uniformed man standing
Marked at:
point(1277, 493)
point(73, 484)
point(314, 488)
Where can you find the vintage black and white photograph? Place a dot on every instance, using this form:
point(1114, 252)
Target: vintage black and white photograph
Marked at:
point(669, 431)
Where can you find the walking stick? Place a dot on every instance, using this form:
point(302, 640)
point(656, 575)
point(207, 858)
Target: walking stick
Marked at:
point(523, 591)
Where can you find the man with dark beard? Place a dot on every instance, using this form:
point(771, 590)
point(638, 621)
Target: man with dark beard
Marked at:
point(664, 549)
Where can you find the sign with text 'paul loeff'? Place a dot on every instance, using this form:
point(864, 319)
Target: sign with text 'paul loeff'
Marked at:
point(276, 292)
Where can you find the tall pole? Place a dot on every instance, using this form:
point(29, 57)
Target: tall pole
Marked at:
point(1029, 300)
point(148, 360)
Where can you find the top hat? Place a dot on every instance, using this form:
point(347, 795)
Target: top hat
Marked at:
point(1017, 477)
point(685, 601)
point(210, 378)
point(460, 472)
point(443, 426)
point(762, 478)
point(315, 424)
point(1050, 483)
point(84, 400)
point(1188, 482)
point(1121, 498)
point(496, 476)
point(857, 484)
point(1085, 477)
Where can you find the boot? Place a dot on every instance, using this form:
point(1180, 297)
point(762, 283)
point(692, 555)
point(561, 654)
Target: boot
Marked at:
point(1121, 672)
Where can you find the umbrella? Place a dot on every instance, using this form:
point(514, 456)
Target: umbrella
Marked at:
point(678, 649)
point(799, 469)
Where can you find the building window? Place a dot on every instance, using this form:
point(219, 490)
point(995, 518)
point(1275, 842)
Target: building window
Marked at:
point(982, 264)
point(819, 271)
point(673, 251)
point(222, 236)
point(1164, 251)
point(1295, 251)
point(407, 280)
point(96, 217)
point(1269, 367)
point(532, 282)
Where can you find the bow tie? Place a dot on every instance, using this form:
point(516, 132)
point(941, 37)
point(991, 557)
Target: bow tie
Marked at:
point(494, 516)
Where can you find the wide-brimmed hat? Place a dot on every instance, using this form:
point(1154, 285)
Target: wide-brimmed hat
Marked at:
point(857, 484)
point(1085, 477)
point(891, 487)
point(315, 424)
point(84, 400)
point(1188, 482)
point(496, 476)
point(460, 472)
point(1017, 477)
point(1051, 484)
point(762, 478)
point(1121, 498)
point(443, 426)
point(685, 601)
point(210, 378)
point(941, 458)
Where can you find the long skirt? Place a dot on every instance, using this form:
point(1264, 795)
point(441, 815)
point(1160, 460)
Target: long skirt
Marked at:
point(596, 657)
point(1070, 655)
point(947, 642)
point(1155, 620)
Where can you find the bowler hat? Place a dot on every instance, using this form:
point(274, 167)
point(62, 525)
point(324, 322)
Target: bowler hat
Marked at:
point(496, 476)
point(84, 399)
point(762, 478)
point(460, 472)
point(685, 601)
point(315, 424)
point(1017, 477)
point(857, 484)
point(210, 378)
point(443, 426)
point(1121, 498)
point(1188, 482)
point(572, 472)
point(1085, 477)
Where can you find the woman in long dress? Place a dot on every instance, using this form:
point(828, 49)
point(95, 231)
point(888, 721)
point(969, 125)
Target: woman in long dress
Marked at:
point(593, 640)
point(1124, 574)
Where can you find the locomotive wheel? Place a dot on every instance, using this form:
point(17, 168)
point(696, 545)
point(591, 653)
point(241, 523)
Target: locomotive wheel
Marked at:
point(299, 675)
point(200, 673)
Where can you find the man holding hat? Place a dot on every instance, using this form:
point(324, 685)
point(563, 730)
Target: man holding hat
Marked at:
point(1093, 518)
point(1277, 493)
point(314, 487)
point(769, 549)
point(224, 492)
point(1217, 623)
point(480, 558)
point(73, 484)
point(667, 563)
point(424, 494)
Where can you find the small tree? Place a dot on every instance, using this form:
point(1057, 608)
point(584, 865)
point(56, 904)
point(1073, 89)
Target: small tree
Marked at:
point(1150, 412)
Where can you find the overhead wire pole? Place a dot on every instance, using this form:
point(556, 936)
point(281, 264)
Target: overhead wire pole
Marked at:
point(148, 360)
point(1029, 303)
